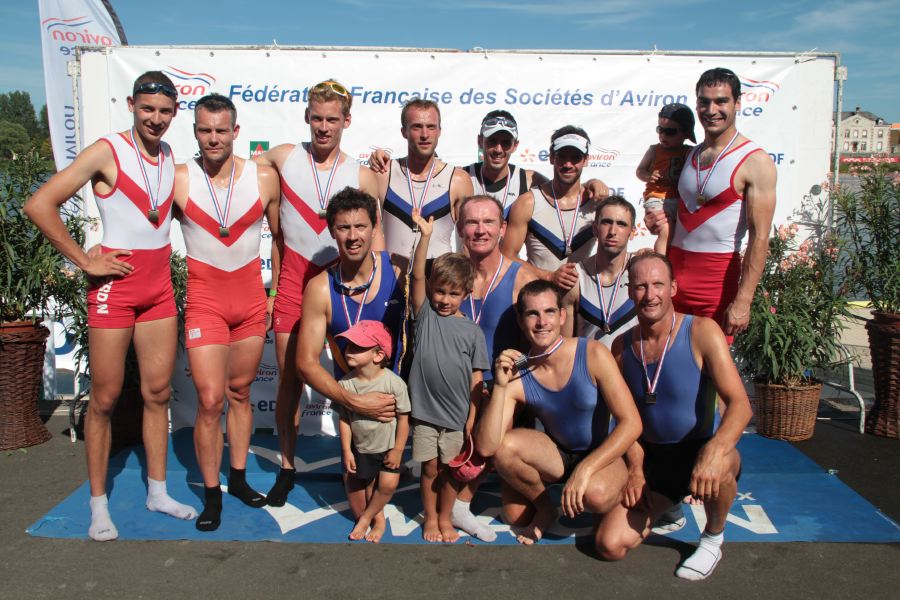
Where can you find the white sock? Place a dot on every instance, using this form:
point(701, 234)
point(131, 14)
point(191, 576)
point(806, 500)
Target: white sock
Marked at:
point(462, 518)
point(701, 563)
point(671, 520)
point(102, 528)
point(158, 500)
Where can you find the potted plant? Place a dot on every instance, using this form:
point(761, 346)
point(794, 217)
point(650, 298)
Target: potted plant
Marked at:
point(795, 325)
point(35, 283)
point(868, 218)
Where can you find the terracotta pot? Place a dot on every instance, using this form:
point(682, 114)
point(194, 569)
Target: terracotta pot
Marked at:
point(787, 413)
point(884, 345)
point(22, 345)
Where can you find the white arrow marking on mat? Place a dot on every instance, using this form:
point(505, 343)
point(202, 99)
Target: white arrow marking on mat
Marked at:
point(299, 464)
point(757, 520)
point(746, 496)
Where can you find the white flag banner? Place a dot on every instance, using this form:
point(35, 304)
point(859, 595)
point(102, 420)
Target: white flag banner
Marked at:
point(66, 24)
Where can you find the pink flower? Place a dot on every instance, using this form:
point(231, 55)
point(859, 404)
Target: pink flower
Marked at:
point(772, 310)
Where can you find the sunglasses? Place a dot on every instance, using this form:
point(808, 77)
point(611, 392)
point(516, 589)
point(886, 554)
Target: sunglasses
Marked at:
point(334, 86)
point(667, 130)
point(152, 87)
point(495, 121)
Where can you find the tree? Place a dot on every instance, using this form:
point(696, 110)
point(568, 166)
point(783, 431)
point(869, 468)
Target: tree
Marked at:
point(16, 107)
point(44, 123)
point(14, 140)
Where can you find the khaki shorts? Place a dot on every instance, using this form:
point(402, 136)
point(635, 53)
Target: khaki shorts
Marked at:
point(431, 441)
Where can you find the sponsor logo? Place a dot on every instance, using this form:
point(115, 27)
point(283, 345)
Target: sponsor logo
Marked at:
point(756, 95)
point(103, 298)
point(75, 31)
point(257, 148)
point(194, 333)
point(597, 157)
point(526, 156)
point(191, 86)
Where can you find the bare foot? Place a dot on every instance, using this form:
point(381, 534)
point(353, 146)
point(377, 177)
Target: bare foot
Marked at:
point(378, 527)
point(543, 519)
point(359, 531)
point(449, 533)
point(430, 531)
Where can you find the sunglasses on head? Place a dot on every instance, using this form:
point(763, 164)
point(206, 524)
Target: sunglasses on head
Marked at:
point(667, 130)
point(334, 86)
point(495, 121)
point(152, 87)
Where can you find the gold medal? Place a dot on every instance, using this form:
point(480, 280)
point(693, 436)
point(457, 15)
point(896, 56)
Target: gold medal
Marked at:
point(701, 199)
point(224, 232)
point(322, 213)
point(153, 215)
point(568, 251)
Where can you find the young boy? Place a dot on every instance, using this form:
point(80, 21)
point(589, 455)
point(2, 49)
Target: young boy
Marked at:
point(372, 450)
point(449, 354)
point(661, 166)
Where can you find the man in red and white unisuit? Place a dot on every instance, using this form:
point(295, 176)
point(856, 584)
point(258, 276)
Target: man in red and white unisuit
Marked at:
point(727, 190)
point(311, 173)
point(130, 296)
point(222, 199)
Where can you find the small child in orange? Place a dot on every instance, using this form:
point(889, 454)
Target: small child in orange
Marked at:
point(662, 164)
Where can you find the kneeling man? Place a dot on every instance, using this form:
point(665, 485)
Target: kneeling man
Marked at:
point(573, 386)
point(677, 367)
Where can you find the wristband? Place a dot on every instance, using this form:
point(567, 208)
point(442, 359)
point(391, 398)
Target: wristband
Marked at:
point(273, 292)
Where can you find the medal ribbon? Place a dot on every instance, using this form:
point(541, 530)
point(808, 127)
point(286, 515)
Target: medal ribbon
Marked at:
point(607, 309)
point(503, 198)
point(701, 187)
point(477, 316)
point(651, 387)
point(154, 200)
point(409, 181)
point(367, 286)
point(323, 198)
point(567, 241)
point(523, 360)
point(221, 215)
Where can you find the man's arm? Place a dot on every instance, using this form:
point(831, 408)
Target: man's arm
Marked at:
point(95, 161)
point(759, 176)
point(615, 393)
point(711, 352)
point(517, 225)
point(274, 157)
point(270, 194)
point(570, 304)
point(310, 341)
point(534, 179)
point(460, 189)
point(368, 183)
point(417, 286)
point(497, 417)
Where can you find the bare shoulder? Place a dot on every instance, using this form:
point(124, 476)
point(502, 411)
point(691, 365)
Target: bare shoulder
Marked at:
point(461, 181)
point(275, 157)
point(707, 336)
point(527, 273)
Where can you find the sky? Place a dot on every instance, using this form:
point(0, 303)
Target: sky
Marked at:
point(863, 32)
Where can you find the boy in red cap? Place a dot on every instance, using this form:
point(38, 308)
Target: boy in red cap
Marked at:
point(662, 163)
point(372, 450)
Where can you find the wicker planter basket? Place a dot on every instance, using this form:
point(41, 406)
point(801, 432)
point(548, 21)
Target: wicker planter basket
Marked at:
point(787, 413)
point(21, 370)
point(884, 344)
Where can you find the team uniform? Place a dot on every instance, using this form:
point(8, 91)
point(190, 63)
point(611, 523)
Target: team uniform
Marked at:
point(219, 263)
point(545, 242)
point(146, 293)
point(396, 211)
point(387, 307)
point(705, 250)
point(308, 246)
point(575, 417)
point(683, 418)
point(504, 190)
point(496, 316)
point(591, 319)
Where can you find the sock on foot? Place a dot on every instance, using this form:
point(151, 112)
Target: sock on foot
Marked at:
point(237, 487)
point(211, 517)
point(284, 483)
point(671, 520)
point(462, 518)
point(158, 500)
point(703, 561)
point(102, 528)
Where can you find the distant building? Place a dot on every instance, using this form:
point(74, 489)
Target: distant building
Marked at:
point(863, 133)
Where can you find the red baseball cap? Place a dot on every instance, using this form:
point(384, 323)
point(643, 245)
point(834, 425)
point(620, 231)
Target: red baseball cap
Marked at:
point(368, 334)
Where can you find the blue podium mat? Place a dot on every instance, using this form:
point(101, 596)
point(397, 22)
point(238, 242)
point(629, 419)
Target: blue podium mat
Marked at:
point(783, 496)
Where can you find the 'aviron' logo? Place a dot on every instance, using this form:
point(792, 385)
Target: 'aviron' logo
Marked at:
point(190, 84)
point(66, 31)
point(753, 91)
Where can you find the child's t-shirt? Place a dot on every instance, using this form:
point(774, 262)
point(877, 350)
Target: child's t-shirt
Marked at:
point(446, 351)
point(669, 162)
point(369, 435)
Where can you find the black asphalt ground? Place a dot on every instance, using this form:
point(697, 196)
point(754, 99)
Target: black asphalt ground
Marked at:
point(36, 479)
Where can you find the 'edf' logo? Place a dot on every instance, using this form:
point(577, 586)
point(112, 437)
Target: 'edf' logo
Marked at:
point(74, 31)
point(190, 84)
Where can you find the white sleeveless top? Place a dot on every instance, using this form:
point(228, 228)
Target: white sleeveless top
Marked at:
point(304, 231)
point(590, 321)
point(545, 241)
point(719, 225)
point(123, 211)
point(396, 211)
point(200, 225)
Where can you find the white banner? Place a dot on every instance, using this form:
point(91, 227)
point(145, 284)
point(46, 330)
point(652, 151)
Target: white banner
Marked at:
point(786, 107)
point(66, 24)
